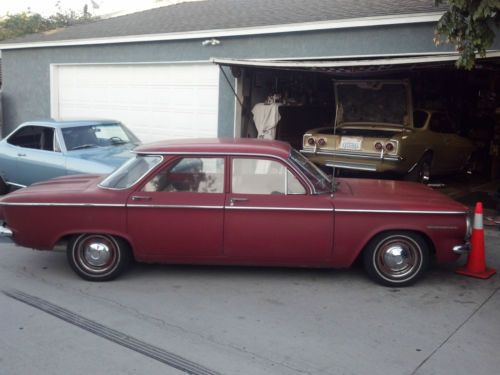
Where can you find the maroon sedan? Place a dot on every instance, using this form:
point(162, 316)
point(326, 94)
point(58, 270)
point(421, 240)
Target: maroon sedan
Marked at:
point(236, 202)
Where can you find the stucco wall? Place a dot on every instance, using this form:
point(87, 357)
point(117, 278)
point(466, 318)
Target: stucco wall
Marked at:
point(26, 72)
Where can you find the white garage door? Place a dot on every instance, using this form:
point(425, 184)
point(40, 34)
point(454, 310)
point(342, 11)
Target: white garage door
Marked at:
point(156, 101)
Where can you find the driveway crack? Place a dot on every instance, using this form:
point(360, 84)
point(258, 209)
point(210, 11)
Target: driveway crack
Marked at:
point(455, 331)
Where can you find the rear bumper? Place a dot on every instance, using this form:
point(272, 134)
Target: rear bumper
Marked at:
point(357, 161)
point(462, 249)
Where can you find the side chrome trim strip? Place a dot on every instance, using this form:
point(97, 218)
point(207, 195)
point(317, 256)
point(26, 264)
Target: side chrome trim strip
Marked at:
point(173, 206)
point(401, 212)
point(280, 209)
point(348, 210)
point(62, 204)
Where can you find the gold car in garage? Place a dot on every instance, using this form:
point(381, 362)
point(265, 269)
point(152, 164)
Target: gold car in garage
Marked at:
point(384, 136)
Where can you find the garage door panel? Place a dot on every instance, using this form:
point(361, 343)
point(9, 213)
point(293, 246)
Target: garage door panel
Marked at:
point(156, 101)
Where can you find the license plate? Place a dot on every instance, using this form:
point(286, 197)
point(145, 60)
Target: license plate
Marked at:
point(350, 143)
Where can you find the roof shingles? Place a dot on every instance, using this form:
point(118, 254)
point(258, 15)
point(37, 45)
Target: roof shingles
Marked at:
point(230, 14)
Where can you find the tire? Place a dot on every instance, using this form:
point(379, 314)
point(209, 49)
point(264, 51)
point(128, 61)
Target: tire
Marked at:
point(422, 171)
point(396, 258)
point(98, 257)
point(4, 188)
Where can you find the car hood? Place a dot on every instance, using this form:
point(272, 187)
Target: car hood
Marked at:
point(367, 194)
point(113, 156)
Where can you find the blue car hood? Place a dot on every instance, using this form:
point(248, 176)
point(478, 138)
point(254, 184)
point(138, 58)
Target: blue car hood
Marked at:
point(112, 156)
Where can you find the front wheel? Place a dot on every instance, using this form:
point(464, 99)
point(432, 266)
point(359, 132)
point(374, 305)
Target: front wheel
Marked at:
point(396, 258)
point(98, 257)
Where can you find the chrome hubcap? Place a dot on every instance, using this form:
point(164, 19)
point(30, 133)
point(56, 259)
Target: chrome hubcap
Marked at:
point(97, 254)
point(398, 258)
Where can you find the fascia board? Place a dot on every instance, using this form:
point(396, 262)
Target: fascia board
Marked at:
point(246, 31)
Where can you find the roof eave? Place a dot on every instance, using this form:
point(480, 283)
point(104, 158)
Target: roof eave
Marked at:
point(244, 31)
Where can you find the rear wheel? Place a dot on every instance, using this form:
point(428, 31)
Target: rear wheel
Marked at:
point(396, 258)
point(422, 171)
point(98, 257)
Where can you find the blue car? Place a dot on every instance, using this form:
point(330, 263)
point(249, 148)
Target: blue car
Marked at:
point(40, 150)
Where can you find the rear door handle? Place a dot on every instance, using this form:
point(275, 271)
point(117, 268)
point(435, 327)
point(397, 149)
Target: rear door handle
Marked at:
point(140, 198)
point(232, 201)
point(21, 154)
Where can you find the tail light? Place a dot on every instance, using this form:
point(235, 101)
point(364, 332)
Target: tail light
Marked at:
point(389, 147)
point(321, 142)
point(311, 141)
point(378, 146)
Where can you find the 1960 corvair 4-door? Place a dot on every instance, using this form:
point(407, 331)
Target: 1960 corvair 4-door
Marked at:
point(236, 202)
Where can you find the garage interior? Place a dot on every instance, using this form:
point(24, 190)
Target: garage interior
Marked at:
point(307, 101)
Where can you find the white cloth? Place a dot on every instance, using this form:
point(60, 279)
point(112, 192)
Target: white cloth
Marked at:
point(266, 117)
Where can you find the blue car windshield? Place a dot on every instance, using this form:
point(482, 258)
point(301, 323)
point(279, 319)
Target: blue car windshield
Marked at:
point(131, 172)
point(97, 135)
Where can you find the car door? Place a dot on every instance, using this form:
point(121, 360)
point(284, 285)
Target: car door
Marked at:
point(178, 213)
point(37, 154)
point(270, 216)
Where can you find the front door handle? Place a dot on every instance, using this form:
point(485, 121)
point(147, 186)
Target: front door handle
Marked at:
point(140, 198)
point(21, 154)
point(232, 201)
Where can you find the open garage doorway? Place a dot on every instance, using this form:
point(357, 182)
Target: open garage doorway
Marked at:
point(305, 96)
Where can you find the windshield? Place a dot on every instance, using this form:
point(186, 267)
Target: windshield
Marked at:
point(100, 135)
point(320, 180)
point(131, 172)
point(372, 101)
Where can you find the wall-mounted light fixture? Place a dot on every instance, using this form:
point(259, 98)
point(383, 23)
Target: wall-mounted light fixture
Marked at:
point(211, 42)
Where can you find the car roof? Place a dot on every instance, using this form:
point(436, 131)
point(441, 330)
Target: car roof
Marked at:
point(217, 145)
point(68, 123)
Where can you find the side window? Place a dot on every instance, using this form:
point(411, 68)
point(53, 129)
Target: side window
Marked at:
point(202, 175)
point(36, 137)
point(419, 119)
point(440, 123)
point(263, 176)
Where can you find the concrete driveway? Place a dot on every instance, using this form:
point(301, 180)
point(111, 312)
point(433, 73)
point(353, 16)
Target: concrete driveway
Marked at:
point(215, 320)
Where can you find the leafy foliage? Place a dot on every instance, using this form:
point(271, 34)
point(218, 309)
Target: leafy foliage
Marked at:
point(16, 25)
point(469, 25)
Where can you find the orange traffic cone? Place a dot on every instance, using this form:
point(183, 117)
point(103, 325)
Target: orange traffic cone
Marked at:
point(476, 264)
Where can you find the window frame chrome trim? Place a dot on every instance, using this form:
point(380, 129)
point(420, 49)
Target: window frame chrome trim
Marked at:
point(311, 189)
